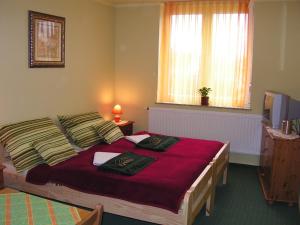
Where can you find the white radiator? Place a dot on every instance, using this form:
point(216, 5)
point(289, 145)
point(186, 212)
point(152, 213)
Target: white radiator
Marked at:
point(242, 130)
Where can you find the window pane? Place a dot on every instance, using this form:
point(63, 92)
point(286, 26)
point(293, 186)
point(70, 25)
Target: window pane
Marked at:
point(186, 48)
point(206, 43)
point(229, 52)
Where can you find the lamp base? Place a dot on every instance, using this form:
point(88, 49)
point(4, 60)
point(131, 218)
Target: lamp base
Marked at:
point(117, 118)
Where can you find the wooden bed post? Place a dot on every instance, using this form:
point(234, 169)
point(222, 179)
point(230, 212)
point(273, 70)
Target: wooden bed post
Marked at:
point(187, 209)
point(211, 199)
point(219, 166)
point(225, 173)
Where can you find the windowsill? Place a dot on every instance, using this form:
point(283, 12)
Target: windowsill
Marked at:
point(203, 106)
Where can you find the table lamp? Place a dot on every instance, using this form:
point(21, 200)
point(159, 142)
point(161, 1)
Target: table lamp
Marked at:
point(117, 111)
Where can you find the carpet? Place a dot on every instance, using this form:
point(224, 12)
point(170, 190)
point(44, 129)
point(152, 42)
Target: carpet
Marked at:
point(240, 202)
point(25, 209)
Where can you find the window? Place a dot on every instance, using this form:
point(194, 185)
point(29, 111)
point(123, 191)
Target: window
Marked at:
point(206, 43)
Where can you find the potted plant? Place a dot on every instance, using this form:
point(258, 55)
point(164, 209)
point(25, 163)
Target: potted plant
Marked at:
point(204, 95)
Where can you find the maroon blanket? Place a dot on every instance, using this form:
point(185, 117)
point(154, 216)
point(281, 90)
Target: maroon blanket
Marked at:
point(162, 184)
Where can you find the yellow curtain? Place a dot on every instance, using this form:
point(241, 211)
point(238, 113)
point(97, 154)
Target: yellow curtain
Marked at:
point(206, 43)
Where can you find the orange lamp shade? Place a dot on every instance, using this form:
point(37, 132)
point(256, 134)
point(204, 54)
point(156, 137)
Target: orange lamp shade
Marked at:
point(117, 110)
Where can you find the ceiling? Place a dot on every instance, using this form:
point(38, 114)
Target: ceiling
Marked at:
point(126, 2)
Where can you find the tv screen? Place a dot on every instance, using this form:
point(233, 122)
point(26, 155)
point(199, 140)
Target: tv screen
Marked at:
point(275, 108)
point(294, 109)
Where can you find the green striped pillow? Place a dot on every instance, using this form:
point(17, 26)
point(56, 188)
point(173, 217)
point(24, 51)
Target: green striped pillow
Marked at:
point(18, 138)
point(109, 131)
point(54, 149)
point(80, 128)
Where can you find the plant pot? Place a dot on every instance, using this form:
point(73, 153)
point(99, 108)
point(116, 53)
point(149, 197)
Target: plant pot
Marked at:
point(204, 100)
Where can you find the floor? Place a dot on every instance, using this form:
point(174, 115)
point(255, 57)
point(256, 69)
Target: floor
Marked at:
point(240, 202)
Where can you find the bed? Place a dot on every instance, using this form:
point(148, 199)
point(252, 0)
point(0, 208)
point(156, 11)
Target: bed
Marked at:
point(201, 192)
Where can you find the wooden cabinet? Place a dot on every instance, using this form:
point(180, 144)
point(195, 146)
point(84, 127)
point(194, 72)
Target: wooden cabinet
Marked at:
point(126, 128)
point(279, 171)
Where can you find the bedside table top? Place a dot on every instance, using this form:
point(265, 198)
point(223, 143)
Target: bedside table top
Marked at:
point(124, 123)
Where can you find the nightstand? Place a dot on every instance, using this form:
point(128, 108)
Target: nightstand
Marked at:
point(1, 176)
point(126, 128)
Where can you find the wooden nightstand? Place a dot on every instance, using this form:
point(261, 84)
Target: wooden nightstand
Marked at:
point(1, 176)
point(126, 128)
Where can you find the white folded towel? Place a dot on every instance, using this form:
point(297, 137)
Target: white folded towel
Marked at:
point(137, 138)
point(102, 157)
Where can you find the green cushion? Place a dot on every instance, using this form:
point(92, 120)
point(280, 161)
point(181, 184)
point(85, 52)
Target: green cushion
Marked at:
point(54, 149)
point(80, 128)
point(109, 131)
point(18, 138)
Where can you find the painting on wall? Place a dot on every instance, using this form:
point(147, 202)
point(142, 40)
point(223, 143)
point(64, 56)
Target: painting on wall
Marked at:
point(46, 40)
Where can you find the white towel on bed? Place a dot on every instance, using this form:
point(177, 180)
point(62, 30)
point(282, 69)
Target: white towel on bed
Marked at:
point(137, 138)
point(102, 157)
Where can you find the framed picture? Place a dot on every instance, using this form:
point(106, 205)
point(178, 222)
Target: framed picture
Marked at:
point(46, 40)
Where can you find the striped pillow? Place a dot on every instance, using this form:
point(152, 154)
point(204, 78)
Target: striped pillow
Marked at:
point(54, 149)
point(109, 131)
point(80, 128)
point(18, 138)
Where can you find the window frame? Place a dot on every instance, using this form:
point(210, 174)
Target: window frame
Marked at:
point(207, 21)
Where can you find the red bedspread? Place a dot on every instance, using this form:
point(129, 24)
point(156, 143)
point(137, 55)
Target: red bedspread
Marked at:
point(162, 184)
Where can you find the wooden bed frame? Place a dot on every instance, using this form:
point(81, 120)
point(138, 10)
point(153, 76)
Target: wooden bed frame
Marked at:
point(200, 193)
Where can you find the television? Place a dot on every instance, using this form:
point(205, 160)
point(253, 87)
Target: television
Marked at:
point(278, 107)
point(275, 108)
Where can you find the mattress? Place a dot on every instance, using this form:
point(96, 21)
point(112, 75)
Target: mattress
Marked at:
point(162, 184)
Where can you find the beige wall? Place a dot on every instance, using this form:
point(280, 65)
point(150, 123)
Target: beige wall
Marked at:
point(136, 48)
point(276, 59)
point(87, 81)
point(112, 55)
point(136, 56)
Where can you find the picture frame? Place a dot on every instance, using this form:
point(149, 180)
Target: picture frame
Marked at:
point(46, 40)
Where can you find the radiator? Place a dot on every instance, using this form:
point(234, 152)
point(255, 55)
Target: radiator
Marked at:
point(243, 131)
